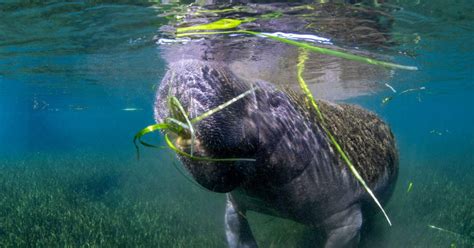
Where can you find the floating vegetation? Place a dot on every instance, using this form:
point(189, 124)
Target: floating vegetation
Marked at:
point(217, 25)
point(224, 24)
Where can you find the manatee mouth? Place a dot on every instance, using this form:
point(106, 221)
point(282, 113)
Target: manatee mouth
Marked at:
point(186, 144)
point(183, 143)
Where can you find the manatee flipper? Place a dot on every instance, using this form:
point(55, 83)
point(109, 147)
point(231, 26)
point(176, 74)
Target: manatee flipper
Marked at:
point(343, 228)
point(237, 228)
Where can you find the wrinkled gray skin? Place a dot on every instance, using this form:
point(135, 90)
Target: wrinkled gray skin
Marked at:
point(297, 173)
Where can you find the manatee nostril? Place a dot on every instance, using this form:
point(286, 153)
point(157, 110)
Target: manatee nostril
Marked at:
point(274, 101)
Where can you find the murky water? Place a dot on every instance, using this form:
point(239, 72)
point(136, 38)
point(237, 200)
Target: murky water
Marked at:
point(77, 81)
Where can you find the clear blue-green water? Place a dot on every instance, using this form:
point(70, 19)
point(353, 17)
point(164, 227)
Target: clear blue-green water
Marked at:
point(77, 81)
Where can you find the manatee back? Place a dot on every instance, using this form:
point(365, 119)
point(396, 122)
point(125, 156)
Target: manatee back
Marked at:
point(366, 139)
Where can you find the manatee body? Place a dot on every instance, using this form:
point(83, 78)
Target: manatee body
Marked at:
point(297, 174)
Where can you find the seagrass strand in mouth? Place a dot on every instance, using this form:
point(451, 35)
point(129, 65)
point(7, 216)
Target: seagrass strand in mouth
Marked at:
point(178, 124)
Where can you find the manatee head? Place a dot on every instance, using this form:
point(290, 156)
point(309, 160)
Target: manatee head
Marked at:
point(200, 86)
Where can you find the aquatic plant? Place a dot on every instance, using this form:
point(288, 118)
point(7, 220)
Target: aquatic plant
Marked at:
point(80, 200)
point(176, 125)
point(438, 212)
point(225, 23)
point(47, 201)
point(233, 23)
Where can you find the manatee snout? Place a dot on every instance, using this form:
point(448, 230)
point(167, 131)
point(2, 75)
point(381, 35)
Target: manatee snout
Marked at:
point(200, 87)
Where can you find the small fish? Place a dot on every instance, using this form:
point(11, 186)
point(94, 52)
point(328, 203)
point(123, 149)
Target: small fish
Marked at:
point(413, 89)
point(444, 230)
point(439, 133)
point(387, 99)
point(131, 109)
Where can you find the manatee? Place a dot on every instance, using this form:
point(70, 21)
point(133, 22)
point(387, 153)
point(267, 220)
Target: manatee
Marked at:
point(297, 173)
